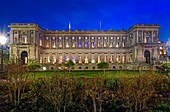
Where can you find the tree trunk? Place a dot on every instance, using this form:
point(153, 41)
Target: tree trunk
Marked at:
point(94, 104)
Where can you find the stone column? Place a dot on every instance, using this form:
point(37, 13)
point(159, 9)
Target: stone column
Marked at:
point(152, 36)
point(137, 37)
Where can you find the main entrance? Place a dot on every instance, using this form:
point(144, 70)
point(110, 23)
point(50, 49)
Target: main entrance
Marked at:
point(147, 56)
point(24, 57)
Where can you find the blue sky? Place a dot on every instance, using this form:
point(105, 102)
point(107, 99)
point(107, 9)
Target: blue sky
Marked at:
point(86, 14)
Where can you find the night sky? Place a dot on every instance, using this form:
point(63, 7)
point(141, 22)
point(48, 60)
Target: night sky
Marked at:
point(87, 14)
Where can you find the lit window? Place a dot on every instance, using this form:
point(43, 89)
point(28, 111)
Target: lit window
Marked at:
point(79, 38)
point(79, 44)
point(105, 44)
point(80, 59)
point(73, 38)
point(40, 42)
point(105, 58)
point(118, 58)
point(48, 59)
point(67, 45)
point(60, 44)
point(111, 45)
point(98, 44)
point(86, 38)
point(160, 52)
point(92, 60)
point(73, 45)
point(73, 59)
point(105, 38)
point(60, 38)
point(98, 37)
point(86, 60)
point(60, 60)
point(54, 46)
point(111, 38)
point(54, 60)
point(86, 44)
point(111, 59)
point(117, 38)
point(123, 44)
point(117, 45)
point(92, 38)
point(92, 44)
point(99, 59)
point(164, 52)
point(123, 59)
point(47, 45)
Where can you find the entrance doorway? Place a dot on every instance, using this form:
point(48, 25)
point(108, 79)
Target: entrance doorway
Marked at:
point(147, 57)
point(24, 57)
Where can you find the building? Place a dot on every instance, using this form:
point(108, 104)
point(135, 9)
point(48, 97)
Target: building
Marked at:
point(123, 49)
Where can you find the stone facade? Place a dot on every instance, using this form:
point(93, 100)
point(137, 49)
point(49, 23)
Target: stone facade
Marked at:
point(123, 49)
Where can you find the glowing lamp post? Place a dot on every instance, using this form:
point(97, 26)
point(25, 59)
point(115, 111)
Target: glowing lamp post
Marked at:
point(2, 42)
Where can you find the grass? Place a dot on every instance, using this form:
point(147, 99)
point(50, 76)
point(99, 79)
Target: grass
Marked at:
point(90, 74)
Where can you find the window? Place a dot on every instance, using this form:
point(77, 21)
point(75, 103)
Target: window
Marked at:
point(99, 59)
point(118, 58)
point(86, 44)
point(73, 44)
point(60, 44)
point(40, 42)
point(47, 45)
point(79, 44)
point(24, 39)
point(54, 45)
point(67, 45)
point(117, 45)
point(86, 59)
point(111, 44)
point(105, 44)
point(60, 60)
point(79, 57)
point(123, 44)
point(111, 58)
point(92, 44)
point(105, 58)
point(73, 59)
point(92, 59)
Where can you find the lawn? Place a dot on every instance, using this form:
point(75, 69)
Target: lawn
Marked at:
point(91, 74)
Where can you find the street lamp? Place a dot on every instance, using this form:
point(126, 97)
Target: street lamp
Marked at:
point(2, 42)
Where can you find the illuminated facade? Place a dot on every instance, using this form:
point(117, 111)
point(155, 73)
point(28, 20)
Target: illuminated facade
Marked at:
point(123, 49)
